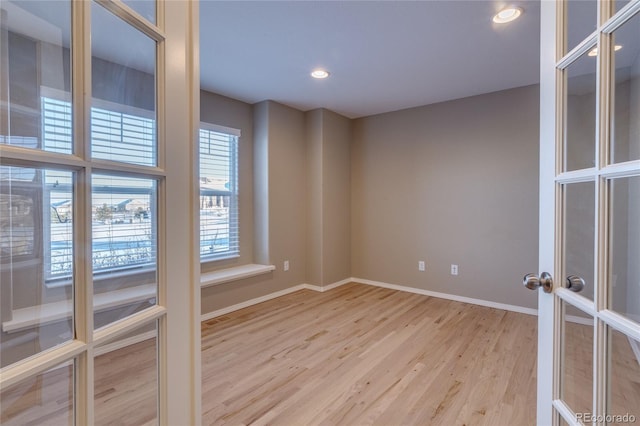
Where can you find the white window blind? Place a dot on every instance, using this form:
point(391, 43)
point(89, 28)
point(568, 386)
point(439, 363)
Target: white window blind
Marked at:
point(122, 137)
point(219, 225)
point(123, 209)
point(56, 125)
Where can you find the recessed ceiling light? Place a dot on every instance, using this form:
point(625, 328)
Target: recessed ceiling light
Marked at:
point(319, 73)
point(594, 51)
point(507, 15)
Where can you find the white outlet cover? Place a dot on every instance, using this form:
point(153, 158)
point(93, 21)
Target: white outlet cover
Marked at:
point(454, 269)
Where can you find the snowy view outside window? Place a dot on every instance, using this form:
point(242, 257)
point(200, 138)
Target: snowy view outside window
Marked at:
point(218, 194)
point(123, 209)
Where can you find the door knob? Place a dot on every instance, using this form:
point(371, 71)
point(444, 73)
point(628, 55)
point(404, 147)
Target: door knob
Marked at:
point(532, 282)
point(574, 283)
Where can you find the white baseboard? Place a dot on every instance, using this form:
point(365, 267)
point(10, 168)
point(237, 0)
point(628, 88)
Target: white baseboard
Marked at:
point(337, 284)
point(251, 302)
point(487, 303)
point(327, 287)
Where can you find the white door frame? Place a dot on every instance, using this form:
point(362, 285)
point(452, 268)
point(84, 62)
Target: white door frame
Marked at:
point(178, 299)
point(547, 217)
point(550, 318)
point(182, 298)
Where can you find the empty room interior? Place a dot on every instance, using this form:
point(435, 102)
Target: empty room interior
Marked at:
point(359, 204)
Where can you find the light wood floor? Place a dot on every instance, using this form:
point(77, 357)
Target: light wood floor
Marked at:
point(125, 392)
point(352, 356)
point(365, 355)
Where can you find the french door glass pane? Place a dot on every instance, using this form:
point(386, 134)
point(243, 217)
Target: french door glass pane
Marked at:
point(621, 3)
point(124, 217)
point(625, 142)
point(44, 399)
point(624, 252)
point(579, 225)
point(563, 421)
point(582, 16)
point(123, 117)
point(580, 126)
point(35, 58)
point(126, 379)
point(624, 379)
point(36, 260)
point(577, 371)
point(146, 8)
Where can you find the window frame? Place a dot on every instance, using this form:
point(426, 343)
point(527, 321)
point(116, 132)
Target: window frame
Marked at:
point(65, 279)
point(234, 209)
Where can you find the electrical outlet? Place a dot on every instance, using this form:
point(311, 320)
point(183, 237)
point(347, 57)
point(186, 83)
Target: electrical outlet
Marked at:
point(454, 269)
point(421, 265)
point(286, 265)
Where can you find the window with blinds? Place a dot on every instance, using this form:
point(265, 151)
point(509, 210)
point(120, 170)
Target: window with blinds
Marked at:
point(219, 227)
point(56, 125)
point(122, 137)
point(123, 209)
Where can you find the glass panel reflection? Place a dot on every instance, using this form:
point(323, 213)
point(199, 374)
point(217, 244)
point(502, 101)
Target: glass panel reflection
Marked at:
point(580, 125)
point(46, 399)
point(579, 225)
point(146, 8)
point(624, 253)
point(624, 379)
point(126, 379)
point(123, 118)
point(577, 367)
point(625, 137)
point(582, 17)
point(35, 72)
point(563, 422)
point(620, 4)
point(124, 246)
point(36, 261)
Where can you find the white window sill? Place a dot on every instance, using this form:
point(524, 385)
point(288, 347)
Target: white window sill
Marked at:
point(233, 274)
point(35, 316)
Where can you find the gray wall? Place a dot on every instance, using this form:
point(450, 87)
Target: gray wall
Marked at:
point(336, 203)
point(314, 195)
point(301, 206)
point(329, 197)
point(450, 183)
point(280, 200)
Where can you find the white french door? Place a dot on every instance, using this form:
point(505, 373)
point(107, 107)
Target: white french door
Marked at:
point(95, 304)
point(589, 313)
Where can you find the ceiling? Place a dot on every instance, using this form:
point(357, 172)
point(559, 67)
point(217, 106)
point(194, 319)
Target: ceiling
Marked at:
point(382, 55)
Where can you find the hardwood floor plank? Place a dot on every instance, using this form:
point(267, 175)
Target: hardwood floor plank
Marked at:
point(365, 355)
point(355, 355)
